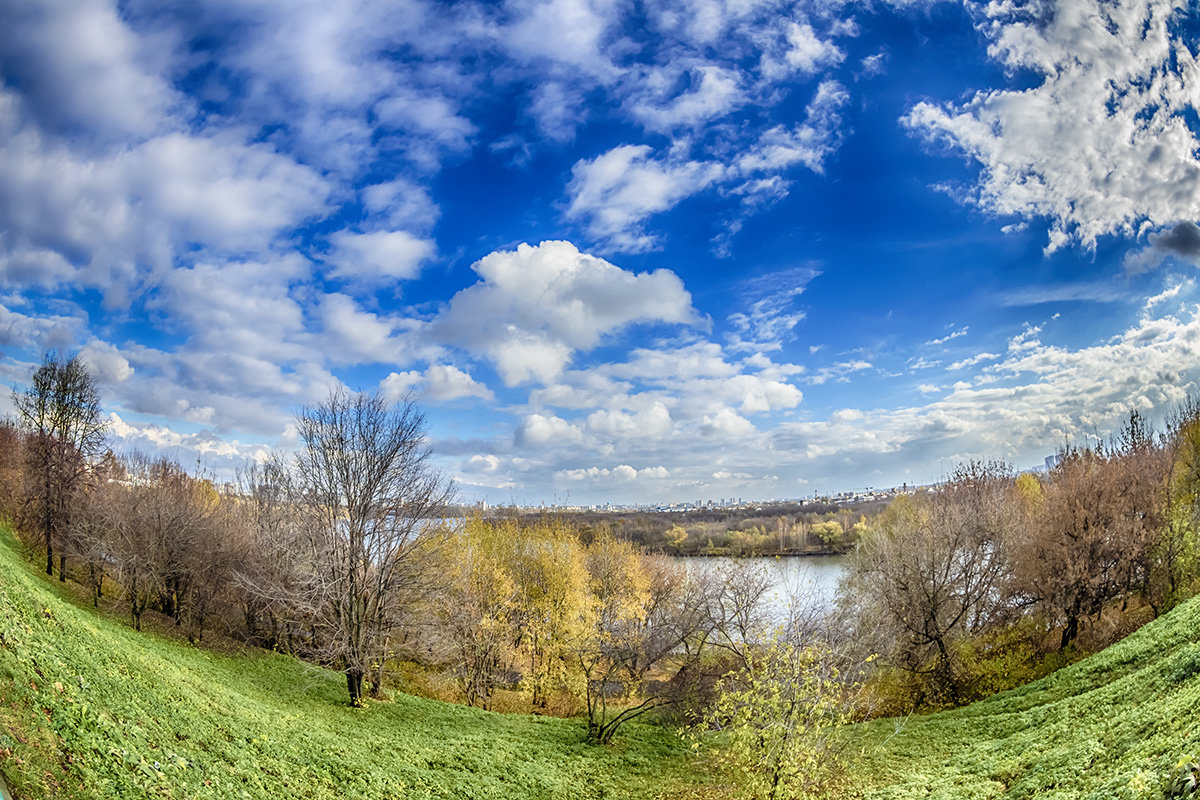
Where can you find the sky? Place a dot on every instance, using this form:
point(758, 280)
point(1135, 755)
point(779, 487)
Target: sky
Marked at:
point(622, 251)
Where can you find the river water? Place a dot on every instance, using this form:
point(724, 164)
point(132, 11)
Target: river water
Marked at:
point(810, 580)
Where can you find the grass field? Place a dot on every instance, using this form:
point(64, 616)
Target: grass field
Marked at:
point(1114, 725)
point(91, 709)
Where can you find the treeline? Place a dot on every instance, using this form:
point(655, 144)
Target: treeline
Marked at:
point(995, 578)
point(792, 529)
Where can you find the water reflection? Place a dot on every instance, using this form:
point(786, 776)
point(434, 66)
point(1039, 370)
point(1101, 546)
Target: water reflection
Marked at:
point(809, 580)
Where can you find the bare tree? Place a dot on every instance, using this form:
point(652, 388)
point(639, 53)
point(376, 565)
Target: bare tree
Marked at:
point(275, 575)
point(60, 411)
point(935, 570)
point(364, 467)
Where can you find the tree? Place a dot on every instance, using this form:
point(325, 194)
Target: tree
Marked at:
point(1177, 553)
point(553, 605)
point(1096, 531)
point(477, 608)
point(60, 411)
point(780, 713)
point(935, 570)
point(636, 623)
point(364, 468)
point(276, 573)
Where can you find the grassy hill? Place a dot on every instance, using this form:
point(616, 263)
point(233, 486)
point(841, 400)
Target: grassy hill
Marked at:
point(1114, 725)
point(91, 709)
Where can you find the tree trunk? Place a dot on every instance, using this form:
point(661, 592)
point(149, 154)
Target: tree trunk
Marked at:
point(354, 678)
point(1070, 631)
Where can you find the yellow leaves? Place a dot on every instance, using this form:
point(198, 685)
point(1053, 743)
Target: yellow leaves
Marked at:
point(676, 536)
point(1029, 491)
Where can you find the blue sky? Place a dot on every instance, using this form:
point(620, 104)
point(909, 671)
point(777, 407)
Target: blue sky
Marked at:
point(618, 251)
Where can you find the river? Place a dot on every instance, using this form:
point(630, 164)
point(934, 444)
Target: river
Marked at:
point(812, 580)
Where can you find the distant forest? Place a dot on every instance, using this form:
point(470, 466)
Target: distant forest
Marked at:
point(810, 528)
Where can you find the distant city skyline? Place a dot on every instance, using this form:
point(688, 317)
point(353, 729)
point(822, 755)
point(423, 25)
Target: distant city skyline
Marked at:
point(618, 252)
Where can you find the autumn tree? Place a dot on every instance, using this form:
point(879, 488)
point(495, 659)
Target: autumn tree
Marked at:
point(779, 714)
point(364, 468)
point(1097, 528)
point(477, 607)
point(1177, 554)
point(553, 606)
point(60, 413)
point(637, 622)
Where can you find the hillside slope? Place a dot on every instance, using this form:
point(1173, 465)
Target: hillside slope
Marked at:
point(91, 709)
point(1116, 724)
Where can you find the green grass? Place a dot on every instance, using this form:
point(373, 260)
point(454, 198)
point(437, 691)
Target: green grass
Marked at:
point(91, 709)
point(1114, 725)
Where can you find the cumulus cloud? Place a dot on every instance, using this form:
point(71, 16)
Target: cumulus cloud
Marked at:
point(805, 52)
point(538, 429)
point(204, 447)
point(537, 305)
point(83, 69)
point(353, 335)
point(1103, 143)
point(654, 421)
point(621, 472)
point(20, 331)
point(438, 383)
point(105, 362)
point(109, 221)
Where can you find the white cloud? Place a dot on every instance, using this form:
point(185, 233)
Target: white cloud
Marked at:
point(1103, 144)
point(401, 204)
point(727, 422)
point(620, 473)
point(83, 69)
point(380, 256)
point(203, 447)
point(971, 361)
point(615, 192)
point(352, 335)
point(439, 382)
point(488, 464)
point(652, 422)
point(537, 305)
point(538, 429)
point(949, 336)
point(570, 33)
point(428, 115)
point(806, 52)
point(106, 221)
point(714, 93)
point(45, 332)
point(106, 362)
point(809, 143)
